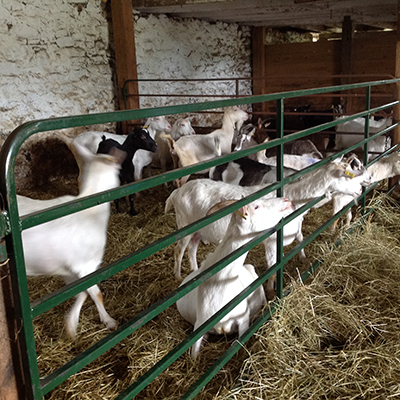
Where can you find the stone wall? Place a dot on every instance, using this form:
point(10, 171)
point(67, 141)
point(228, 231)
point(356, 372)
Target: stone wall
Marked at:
point(170, 48)
point(54, 60)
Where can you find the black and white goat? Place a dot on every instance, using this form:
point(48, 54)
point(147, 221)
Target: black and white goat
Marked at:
point(139, 138)
point(141, 159)
point(246, 172)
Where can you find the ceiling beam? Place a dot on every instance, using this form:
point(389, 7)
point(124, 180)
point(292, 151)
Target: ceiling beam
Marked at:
point(277, 13)
point(193, 6)
point(277, 19)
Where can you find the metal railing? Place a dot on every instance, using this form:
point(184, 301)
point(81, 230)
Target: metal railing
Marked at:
point(12, 225)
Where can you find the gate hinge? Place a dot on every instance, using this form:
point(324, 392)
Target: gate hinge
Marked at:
point(5, 227)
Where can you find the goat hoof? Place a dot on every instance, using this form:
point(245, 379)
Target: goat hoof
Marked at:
point(111, 324)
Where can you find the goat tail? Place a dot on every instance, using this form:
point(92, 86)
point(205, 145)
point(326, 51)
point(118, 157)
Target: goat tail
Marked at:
point(169, 203)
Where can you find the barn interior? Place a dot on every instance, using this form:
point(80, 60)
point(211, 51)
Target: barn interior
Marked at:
point(279, 46)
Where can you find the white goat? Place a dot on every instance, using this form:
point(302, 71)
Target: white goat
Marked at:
point(292, 161)
point(204, 301)
point(378, 144)
point(384, 168)
point(160, 125)
point(197, 148)
point(195, 198)
point(73, 246)
point(181, 127)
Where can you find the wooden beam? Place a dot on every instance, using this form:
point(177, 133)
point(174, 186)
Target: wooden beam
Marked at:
point(258, 57)
point(347, 58)
point(125, 54)
point(275, 13)
point(169, 3)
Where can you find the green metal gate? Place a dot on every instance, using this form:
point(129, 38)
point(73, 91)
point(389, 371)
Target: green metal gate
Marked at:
point(12, 226)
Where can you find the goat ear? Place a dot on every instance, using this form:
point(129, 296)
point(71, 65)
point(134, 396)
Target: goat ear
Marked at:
point(242, 212)
point(351, 157)
point(338, 160)
point(267, 124)
point(328, 195)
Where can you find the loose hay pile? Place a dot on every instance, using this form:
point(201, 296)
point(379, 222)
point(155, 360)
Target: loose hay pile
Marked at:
point(334, 338)
point(337, 337)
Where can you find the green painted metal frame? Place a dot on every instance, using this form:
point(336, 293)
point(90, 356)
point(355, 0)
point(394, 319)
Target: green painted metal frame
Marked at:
point(12, 225)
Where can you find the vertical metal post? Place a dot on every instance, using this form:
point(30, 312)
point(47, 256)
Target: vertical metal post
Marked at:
point(237, 86)
point(279, 177)
point(366, 135)
point(396, 109)
point(20, 291)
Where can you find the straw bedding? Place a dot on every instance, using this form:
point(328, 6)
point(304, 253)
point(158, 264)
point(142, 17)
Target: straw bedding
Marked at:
point(335, 337)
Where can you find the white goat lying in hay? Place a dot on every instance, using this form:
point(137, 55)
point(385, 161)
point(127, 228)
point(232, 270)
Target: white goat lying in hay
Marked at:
point(73, 246)
point(195, 198)
point(198, 148)
point(204, 301)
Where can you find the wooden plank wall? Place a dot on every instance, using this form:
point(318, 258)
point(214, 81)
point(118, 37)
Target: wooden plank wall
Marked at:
point(296, 66)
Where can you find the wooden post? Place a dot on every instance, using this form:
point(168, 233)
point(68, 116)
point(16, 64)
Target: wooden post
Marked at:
point(8, 380)
point(125, 54)
point(347, 59)
point(258, 54)
point(396, 109)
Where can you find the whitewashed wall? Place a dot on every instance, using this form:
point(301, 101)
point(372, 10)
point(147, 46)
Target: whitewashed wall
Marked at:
point(168, 48)
point(54, 60)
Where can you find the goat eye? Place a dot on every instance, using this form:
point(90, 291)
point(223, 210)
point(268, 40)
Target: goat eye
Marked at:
point(256, 207)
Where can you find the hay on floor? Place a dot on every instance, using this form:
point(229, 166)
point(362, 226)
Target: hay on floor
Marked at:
point(338, 336)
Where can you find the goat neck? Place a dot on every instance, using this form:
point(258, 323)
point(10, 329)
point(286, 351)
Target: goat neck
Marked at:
point(317, 183)
point(99, 175)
